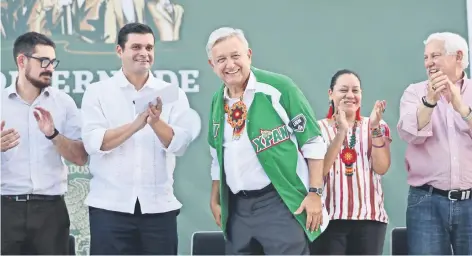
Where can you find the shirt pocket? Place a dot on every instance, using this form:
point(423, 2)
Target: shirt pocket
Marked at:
point(117, 110)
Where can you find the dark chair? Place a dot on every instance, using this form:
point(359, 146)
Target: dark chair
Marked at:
point(71, 245)
point(207, 243)
point(399, 241)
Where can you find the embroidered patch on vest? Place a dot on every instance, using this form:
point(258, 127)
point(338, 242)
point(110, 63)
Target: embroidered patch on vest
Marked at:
point(298, 123)
point(269, 138)
point(216, 128)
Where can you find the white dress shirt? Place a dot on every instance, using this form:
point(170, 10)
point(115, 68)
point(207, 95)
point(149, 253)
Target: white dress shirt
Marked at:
point(35, 166)
point(141, 167)
point(242, 167)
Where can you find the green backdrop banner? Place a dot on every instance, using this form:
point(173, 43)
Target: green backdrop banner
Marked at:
point(305, 39)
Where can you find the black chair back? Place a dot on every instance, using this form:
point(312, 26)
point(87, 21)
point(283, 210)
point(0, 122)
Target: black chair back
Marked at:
point(208, 243)
point(399, 241)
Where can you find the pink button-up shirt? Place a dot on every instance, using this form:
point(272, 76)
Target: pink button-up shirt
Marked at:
point(441, 153)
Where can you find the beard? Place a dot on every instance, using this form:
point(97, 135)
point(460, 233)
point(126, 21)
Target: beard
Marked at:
point(37, 82)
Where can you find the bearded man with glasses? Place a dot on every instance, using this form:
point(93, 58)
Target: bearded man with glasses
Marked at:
point(40, 125)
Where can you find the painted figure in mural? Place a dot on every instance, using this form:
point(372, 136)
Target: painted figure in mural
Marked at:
point(267, 191)
point(40, 124)
point(358, 156)
point(132, 207)
point(436, 122)
point(167, 18)
point(92, 20)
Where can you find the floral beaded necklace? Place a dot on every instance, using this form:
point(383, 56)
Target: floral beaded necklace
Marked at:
point(348, 154)
point(237, 115)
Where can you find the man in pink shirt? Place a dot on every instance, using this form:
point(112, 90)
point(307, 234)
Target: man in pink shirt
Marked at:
point(436, 122)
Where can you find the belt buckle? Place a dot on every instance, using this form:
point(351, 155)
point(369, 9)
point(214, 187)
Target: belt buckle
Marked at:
point(18, 199)
point(449, 194)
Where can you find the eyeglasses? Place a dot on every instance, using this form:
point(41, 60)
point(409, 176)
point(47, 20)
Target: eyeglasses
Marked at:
point(45, 62)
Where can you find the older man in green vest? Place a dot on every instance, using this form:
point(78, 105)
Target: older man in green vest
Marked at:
point(267, 154)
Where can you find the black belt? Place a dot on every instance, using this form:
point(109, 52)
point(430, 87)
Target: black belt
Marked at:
point(30, 197)
point(256, 193)
point(453, 195)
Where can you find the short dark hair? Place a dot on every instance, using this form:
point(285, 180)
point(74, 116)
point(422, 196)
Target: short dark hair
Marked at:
point(132, 28)
point(341, 72)
point(26, 43)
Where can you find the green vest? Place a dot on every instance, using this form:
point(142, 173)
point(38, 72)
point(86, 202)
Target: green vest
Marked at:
point(279, 122)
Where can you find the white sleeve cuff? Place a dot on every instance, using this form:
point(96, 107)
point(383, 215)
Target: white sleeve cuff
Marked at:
point(180, 141)
point(215, 166)
point(93, 141)
point(315, 148)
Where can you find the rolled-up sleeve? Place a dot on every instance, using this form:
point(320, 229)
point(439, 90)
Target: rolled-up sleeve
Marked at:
point(94, 123)
point(186, 124)
point(215, 166)
point(315, 148)
point(408, 123)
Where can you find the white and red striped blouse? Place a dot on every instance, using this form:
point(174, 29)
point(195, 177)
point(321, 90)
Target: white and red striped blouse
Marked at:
point(360, 196)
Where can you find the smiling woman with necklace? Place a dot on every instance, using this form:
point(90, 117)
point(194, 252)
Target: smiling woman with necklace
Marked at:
point(358, 155)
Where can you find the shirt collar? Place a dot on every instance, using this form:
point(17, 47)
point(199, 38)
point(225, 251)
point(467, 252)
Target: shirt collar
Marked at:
point(124, 82)
point(251, 86)
point(463, 82)
point(464, 77)
point(11, 90)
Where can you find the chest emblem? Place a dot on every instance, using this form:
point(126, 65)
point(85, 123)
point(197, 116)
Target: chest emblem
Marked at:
point(270, 138)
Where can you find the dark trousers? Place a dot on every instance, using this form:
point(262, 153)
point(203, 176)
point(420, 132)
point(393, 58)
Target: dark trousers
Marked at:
point(437, 225)
point(350, 237)
point(263, 224)
point(35, 227)
point(116, 233)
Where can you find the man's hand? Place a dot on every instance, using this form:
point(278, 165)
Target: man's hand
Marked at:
point(436, 85)
point(10, 138)
point(45, 121)
point(140, 121)
point(216, 210)
point(456, 99)
point(154, 111)
point(314, 214)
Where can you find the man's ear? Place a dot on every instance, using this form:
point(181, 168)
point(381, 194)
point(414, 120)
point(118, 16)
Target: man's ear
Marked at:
point(459, 56)
point(21, 60)
point(119, 50)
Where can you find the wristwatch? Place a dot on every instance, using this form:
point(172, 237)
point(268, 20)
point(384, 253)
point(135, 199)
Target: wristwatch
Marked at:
point(427, 104)
point(318, 191)
point(56, 132)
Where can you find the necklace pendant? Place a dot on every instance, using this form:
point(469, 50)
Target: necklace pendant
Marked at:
point(349, 170)
point(236, 136)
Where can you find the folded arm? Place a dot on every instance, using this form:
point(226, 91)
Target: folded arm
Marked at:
point(176, 135)
point(414, 125)
point(71, 150)
point(97, 136)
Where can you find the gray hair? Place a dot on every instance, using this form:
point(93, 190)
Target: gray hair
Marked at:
point(223, 33)
point(452, 43)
